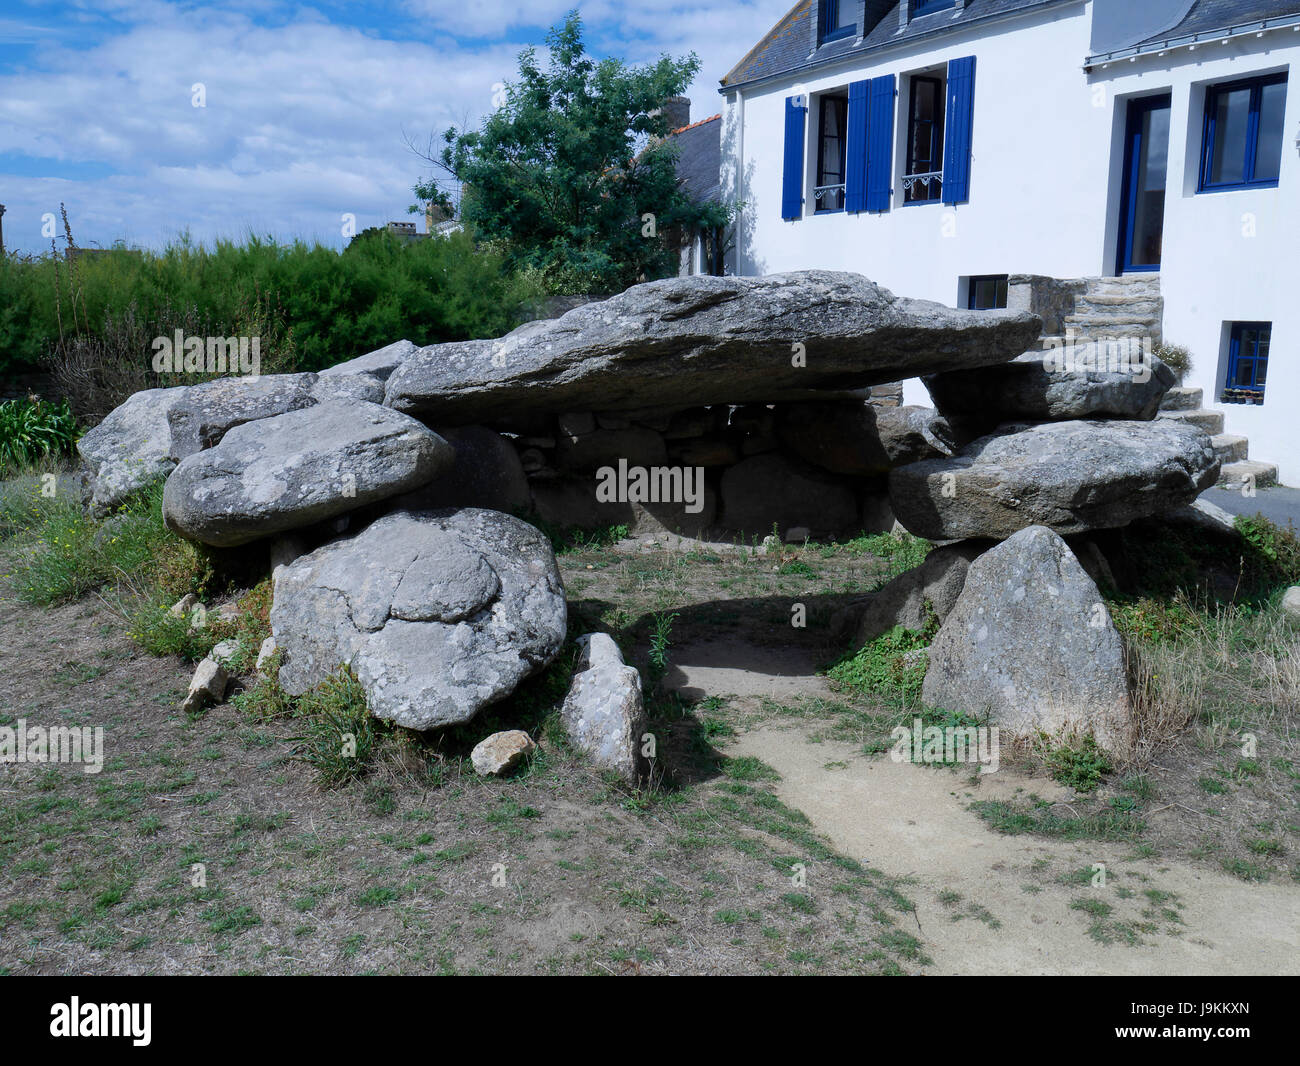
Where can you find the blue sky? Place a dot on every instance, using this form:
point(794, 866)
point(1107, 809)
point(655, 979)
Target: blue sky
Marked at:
point(308, 110)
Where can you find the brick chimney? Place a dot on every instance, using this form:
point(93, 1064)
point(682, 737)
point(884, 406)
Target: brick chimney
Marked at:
point(677, 112)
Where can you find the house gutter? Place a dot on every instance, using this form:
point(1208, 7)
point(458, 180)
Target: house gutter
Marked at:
point(854, 59)
point(1190, 40)
point(740, 146)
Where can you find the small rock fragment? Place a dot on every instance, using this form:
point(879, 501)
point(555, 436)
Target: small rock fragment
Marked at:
point(208, 686)
point(501, 752)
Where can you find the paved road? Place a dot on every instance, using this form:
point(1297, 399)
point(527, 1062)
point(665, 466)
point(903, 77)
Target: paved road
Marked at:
point(1279, 504)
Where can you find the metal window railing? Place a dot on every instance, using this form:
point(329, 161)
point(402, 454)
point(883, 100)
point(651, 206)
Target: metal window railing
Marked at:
point(910, 181)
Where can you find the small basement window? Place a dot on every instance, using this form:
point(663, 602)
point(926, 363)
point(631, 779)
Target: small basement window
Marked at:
point(987, 292)
point(1248, 346)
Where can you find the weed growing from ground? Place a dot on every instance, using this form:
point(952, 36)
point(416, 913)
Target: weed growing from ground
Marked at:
point(1079, 764)
point(893, 665)
point(340, 735)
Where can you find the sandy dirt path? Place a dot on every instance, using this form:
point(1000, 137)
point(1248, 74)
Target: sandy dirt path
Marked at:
point(914, 821)
point(1018, 898)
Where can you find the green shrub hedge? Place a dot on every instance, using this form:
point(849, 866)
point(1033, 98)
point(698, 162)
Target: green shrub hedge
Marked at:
point(332, 305)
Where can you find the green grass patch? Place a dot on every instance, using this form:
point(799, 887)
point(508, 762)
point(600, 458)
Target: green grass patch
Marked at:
point(1080, 764)
point(341, 736)
point(63, 553)
point(1014, 818)
point(892, 665)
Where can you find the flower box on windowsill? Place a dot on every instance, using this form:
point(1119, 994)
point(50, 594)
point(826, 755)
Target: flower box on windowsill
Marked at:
point(1255, 396)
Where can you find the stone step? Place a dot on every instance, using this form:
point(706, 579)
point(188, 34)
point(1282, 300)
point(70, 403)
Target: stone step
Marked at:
point(1104, 302)
point(1127, 312)
point(1117, 329)
point(1105, 320)
point(1230, 449)
point(1137, 281)
point(1143, 289)
point(1259, 475)
point(1180, 398)
point(1210, 421)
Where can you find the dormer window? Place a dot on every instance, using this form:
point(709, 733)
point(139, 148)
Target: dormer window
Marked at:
point(837, 20)
point(928, 7)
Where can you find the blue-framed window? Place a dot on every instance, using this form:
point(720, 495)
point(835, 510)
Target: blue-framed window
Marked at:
point(832, 137)
point(987, 292)
point(1242, 143)
point(1248, 346)
point(836, 21)
point(925, 7)
point(923, 179)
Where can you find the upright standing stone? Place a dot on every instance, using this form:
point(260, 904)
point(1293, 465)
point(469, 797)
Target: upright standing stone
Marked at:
point(1030, 643)
point(604, 713)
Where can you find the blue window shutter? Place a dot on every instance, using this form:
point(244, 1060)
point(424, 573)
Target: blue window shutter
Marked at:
point(792, 183)
point(880, 143)
point(855, 181)
point(957, 137)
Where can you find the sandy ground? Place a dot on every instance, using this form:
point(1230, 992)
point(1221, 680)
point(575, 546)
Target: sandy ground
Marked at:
point(990, 903)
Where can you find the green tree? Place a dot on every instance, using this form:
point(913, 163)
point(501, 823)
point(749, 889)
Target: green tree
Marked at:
point(571, 176)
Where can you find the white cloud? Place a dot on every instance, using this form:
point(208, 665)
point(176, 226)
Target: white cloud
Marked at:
point(490, 18)
point(305, 119)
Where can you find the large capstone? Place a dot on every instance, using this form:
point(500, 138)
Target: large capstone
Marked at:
point(298, 468)
point(438, 613)
point(1069, 476)
point(706, 340)
point(1030, 644)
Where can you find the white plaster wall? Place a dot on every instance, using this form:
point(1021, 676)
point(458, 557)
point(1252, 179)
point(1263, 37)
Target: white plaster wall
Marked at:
point(1231, 256)
point(1029, 182)
point(1045, 175)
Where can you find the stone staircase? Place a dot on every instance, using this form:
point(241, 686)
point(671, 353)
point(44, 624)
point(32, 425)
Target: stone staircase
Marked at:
point(1128, 306)
point(1185, 405)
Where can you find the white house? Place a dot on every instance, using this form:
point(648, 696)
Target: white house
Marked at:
point(947, 147)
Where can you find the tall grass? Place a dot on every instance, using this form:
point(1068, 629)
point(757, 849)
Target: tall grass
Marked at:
point(60, 553)
point(1226, 664)
point(334, 305)
point(1200, 652)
